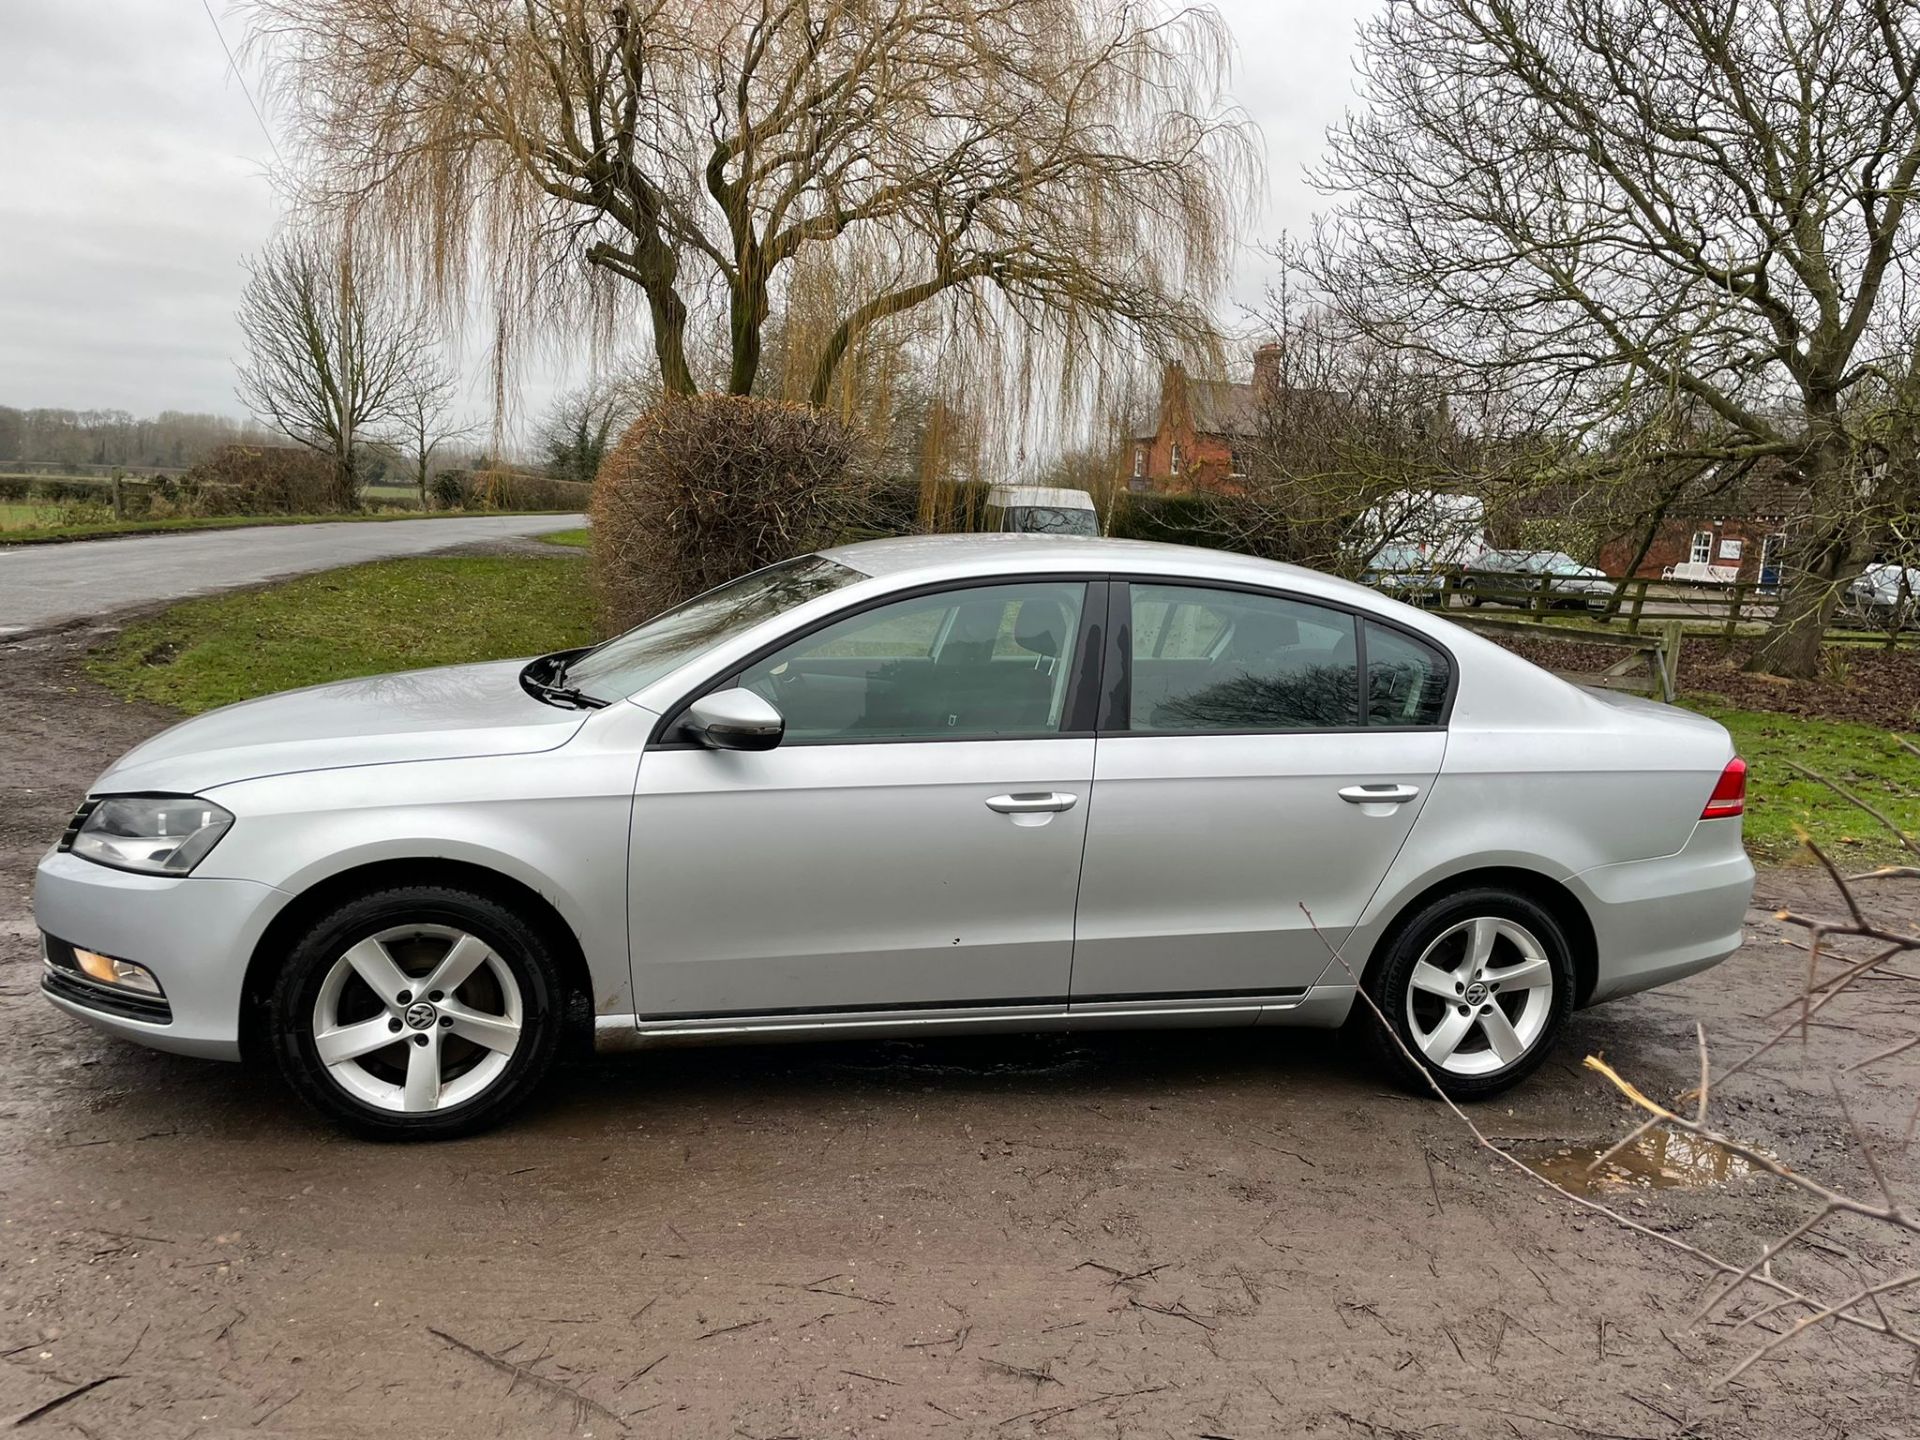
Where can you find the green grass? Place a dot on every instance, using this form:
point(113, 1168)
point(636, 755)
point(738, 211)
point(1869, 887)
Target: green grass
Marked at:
point(574, 539)
point(363, 620)
point(26, 514)
point(1780, 802)
point(53, 534)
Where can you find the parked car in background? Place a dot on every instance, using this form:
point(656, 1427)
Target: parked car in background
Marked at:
point(946, 783)
point(1040, 510)
point(1885, 595)
point(1405, 573)
point(1513, 577)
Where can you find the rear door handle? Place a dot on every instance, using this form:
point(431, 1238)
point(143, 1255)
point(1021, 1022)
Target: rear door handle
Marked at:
point(1379, 794)
point(1032, 804)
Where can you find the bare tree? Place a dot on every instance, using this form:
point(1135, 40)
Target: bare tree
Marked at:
point(1061, 174)
point(331, 353)
point(425, 420)
point(1601, 200)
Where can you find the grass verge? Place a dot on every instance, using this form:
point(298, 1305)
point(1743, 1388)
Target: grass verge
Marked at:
point(57, 534)
point(1781, 801)
point(362, 620)
point(573, 539)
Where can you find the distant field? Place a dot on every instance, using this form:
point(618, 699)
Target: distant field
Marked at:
point(27, 514)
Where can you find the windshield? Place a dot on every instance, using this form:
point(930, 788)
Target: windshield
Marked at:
point(1398, 557)
point(1050, 520)
point(629, 663)
point(1559, 564)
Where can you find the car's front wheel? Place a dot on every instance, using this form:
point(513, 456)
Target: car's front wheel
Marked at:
point(1476, 986)
point(417, 1013)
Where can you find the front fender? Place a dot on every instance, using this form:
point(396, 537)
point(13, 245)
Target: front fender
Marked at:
point(557, 823)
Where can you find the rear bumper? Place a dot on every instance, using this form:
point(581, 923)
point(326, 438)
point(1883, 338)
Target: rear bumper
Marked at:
point(195, 935)
point(1656, 921)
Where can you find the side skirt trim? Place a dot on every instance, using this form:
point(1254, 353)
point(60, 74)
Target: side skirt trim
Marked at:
point(1321, 1005)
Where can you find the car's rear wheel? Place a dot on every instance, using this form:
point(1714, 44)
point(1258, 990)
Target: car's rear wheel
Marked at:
point(1476, 986)
point(417, 1013)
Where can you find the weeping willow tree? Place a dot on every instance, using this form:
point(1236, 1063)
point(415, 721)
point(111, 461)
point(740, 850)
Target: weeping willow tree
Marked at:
point(1059, 180)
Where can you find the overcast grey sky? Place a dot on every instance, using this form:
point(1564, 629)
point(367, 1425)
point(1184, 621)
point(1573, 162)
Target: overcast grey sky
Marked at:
point(133, 179)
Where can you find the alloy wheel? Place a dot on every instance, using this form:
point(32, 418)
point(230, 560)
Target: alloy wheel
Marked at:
point(417, 1018)
point(1480, 996)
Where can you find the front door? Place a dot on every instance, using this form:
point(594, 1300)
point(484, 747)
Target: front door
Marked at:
point(913, 842)
point(1247, 803)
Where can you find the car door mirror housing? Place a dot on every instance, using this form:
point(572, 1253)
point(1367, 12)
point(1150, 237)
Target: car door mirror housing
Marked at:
point(735, 720)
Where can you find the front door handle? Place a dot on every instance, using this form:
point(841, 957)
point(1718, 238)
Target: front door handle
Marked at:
point(1032, 804)
point(1379, 794)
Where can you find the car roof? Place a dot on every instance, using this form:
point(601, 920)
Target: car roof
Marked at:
point(958, 556)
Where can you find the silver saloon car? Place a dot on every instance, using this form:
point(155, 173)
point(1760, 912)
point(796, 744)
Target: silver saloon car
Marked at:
point(901, 788)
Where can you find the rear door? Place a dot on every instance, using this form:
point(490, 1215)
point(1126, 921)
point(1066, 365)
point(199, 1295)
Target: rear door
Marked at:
point(1243, 794)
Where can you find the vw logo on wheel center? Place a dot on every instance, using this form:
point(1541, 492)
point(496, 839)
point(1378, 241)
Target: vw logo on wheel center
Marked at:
point(1476, 995)
point(420, 1015)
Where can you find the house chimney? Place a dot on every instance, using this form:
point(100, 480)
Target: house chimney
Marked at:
point(1266, 368)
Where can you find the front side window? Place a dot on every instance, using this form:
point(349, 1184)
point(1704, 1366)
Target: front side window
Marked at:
point(1224, 660)
point(627, 664)
point(981, 663)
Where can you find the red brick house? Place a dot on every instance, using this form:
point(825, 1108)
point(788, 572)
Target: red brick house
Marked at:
point(1199, 437)
point(1742, 527)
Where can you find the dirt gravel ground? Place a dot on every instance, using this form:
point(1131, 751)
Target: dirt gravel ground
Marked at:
point(1188, 1234)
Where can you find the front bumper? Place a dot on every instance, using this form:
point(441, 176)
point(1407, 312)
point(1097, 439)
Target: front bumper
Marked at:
point(1656, 921)
point(195, 935)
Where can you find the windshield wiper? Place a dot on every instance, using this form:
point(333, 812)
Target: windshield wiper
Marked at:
point(544, 679)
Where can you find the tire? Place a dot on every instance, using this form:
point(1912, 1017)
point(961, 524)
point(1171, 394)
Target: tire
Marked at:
point(1424, 977)
point(461, 1056)
point(1474, 598)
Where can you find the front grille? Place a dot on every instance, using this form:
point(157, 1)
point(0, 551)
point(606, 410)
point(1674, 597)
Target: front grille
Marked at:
point(73, 825)
point(64, 977)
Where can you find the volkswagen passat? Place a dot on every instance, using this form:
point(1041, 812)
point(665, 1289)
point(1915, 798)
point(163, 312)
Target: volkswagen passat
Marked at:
point(914, 786)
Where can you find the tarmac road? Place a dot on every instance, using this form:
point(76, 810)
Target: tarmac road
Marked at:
point(47, 585)
point(1244, 1233)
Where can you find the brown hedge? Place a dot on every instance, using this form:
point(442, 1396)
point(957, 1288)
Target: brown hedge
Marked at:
point(703, 488)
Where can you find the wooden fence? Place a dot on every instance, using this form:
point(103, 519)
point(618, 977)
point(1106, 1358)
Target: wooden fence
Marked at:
point(1651, 665)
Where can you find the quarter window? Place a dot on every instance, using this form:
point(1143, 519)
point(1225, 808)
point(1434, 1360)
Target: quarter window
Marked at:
point(1406, 678)
point(959, 665)
point(1225, 660)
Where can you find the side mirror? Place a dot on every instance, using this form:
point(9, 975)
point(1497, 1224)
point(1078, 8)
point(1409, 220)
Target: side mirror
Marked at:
point(735, 720)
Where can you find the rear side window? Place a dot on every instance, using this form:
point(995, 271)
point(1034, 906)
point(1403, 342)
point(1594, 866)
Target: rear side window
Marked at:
point(1226, 660)
point(1407, 679)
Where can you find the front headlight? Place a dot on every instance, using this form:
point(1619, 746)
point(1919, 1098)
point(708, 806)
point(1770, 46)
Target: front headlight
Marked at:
point(153, 834)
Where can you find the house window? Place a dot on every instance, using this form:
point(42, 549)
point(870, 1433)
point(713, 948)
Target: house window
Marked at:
point(1236, 466)
point(1139, 462)
point(1173, 461)
point(1701, 552)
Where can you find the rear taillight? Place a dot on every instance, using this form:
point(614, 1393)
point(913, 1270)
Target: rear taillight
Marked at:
point(1729, 797)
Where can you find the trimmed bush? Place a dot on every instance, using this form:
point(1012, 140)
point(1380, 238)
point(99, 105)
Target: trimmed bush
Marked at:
point(517, 490)
point(260, 480)
point(448, 489)
point(705, 488)
point(1220, 522)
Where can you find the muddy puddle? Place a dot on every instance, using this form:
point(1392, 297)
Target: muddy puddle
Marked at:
point(1656, 1161)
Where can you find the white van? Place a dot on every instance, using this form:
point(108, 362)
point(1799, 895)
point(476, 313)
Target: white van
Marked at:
point(1040, 510)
